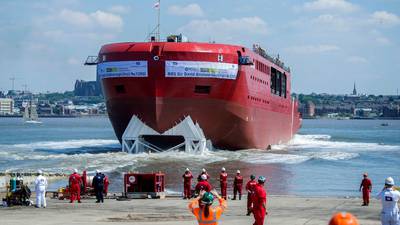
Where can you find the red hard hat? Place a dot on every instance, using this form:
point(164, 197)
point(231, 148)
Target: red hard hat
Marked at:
point(343, 218)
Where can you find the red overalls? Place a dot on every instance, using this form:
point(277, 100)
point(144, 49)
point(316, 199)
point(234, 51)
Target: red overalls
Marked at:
point(237, 186)
point(223, 179)
point(250, 187)
point(366, 184)
point(203, 185)
point(260, 198)
point(187, 184)
point(75, 187)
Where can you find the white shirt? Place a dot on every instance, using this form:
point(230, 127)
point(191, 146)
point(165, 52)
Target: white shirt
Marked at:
point(40, 183)
point(389, 198)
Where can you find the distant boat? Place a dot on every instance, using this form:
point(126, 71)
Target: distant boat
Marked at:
point(30, 113)
point(384, 124)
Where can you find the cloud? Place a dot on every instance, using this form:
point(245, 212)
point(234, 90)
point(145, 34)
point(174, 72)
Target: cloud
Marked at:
point(334, 22)
point(226, 29)
point(119, 9)
point(107, 20)
point(385, 18)
point(188, 10)
point(312, 49)
point(330, 5)
point(99, 18)
point(356, 59)
point(75, 18)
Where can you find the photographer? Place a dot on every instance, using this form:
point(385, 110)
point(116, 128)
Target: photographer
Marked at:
point(389, 198)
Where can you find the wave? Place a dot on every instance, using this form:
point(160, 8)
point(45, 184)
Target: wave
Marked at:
point(78, 143)
point(332, 156)
point(325, 142)
point(267, 158)
point(49, 155)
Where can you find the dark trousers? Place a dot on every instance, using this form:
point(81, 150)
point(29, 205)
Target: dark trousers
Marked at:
point(99, 194)
point(236, 189)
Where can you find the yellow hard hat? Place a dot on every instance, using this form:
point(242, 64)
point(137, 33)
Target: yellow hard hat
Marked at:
point(343, 218)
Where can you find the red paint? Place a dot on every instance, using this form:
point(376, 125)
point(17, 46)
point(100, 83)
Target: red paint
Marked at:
point(144, 182)
point(236, 114)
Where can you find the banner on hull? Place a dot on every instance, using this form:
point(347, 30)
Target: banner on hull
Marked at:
point(201, 69)
point(122, 69)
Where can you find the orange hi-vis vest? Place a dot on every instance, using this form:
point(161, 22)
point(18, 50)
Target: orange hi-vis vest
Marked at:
point(213, 217)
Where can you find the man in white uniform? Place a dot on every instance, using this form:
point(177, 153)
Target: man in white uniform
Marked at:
point(40, 188)
point(389, 198)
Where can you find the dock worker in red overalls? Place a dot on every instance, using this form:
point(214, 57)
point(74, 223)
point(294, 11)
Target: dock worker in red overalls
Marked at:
point(250, 188)
point(223, 180)
point(187, 184)
point(260, 202)
point(237, 185)
point(203, 185)
point(366, 186)
point(75, 182)
point(203, 171)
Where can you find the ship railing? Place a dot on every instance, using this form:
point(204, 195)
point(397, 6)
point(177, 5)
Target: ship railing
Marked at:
point(91, 60)
point(260, 51)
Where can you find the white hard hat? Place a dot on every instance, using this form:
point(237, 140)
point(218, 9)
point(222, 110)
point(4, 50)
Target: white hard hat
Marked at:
point(204, 170)
point(223, 169)
point(39, 172)
point(238, 171)
point(389, 181)
point(204, 177)
point(75, 171)
point(97, 171)
point(187, 169)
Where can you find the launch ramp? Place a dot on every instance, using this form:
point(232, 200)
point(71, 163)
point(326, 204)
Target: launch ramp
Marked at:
point(187, 135)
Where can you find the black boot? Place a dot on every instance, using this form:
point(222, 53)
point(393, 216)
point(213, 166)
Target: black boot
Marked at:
point(248, 212)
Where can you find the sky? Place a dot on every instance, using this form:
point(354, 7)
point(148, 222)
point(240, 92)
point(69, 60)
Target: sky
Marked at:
point(329, 44)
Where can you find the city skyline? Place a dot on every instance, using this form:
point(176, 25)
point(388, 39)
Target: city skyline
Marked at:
point(329, 44)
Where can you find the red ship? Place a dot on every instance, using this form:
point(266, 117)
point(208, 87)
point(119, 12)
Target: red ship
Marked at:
point(240, 97)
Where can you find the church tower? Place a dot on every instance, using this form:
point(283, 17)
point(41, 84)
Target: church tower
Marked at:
point(354, 89)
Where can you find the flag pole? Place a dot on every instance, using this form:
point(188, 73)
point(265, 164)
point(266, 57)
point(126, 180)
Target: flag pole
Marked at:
point(158, 21)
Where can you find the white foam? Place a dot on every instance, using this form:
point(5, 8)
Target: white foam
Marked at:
point(79, 143)
point(332, 156)
point(267, 158)
point(324, 142)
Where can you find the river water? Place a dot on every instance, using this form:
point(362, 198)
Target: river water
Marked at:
point(326, 157)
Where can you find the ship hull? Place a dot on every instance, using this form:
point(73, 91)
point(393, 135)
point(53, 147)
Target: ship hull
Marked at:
point(232, 115)
point(228, 125)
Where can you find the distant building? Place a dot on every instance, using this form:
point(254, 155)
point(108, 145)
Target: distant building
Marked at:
point(391, 111)
point(354, 89)
point(87, 88)
point(45, 109)
point(362, 112)
point(310, 109)
point(6, 106)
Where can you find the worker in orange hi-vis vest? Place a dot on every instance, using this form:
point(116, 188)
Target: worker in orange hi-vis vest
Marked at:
point(204, 212)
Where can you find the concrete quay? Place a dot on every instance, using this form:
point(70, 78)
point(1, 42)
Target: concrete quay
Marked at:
point(283, 210)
